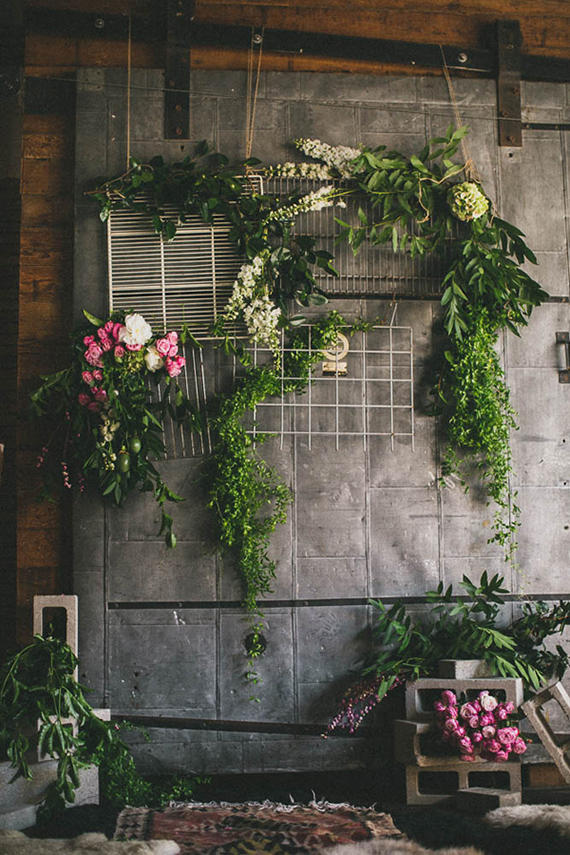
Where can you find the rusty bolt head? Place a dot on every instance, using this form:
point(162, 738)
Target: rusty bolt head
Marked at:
point(462, 57)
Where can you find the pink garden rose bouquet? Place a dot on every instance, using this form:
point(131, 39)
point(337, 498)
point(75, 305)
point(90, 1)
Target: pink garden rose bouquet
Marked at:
point(104, 429)
point(479, 728)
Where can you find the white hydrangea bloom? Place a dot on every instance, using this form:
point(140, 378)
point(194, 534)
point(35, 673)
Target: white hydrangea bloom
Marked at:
point(467, 201)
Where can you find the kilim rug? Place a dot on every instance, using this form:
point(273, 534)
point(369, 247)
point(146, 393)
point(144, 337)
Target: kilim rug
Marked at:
point(240, 829)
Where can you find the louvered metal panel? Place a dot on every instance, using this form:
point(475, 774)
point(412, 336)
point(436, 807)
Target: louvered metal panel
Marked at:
point(375, 270)
point(187, 281)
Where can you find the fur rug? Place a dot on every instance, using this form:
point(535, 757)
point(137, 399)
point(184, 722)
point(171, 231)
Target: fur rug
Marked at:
point(397, 847)
point(539, 817)
point(16, 843)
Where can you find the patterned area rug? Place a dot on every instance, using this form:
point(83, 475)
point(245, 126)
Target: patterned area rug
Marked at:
point(240, 829)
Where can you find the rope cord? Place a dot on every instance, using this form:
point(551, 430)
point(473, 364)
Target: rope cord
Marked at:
point(252, 90)
point(129, 75)
point(469, 168)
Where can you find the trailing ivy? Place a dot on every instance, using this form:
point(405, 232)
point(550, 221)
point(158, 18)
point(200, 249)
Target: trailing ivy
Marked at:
point(248, 495)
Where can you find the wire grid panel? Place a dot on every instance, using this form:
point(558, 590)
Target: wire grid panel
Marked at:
point(186, 281)
point(374, 398)
point(374, 270)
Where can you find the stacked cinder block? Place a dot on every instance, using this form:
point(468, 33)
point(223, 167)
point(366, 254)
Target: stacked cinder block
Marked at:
point(533, 709)
point(431, 779)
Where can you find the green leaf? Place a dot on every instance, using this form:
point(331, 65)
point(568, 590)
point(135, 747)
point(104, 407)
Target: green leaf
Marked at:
point(97, 322)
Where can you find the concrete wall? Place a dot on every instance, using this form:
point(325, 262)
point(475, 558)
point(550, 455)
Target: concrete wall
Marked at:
point(162, 632)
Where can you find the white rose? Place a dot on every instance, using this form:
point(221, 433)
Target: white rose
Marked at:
point(136, 331)
point(153, 359)
point(487, 701)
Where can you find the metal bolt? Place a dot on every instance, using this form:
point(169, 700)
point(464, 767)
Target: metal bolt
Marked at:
point(178, 108)
point(99, 23)
point(257, 39)
point(462, 57)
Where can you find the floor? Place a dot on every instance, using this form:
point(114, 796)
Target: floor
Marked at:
point(432, 826)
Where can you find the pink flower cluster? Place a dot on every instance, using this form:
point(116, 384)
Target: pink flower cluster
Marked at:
point(95, 396)
point(478, 728)
point(106, 339)
point(167, 348)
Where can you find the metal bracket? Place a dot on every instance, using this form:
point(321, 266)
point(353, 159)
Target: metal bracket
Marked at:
point(564, 339)
point(509, 64)
point(179, 15)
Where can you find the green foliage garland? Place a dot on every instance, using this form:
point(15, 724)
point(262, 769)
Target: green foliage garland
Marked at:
point(464, 627)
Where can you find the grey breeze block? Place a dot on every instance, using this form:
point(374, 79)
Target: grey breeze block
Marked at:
point(451, 773)
point(560, 752)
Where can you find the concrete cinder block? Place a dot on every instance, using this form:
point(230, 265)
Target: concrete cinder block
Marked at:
point(421, 694)
point(463, 669)
point(61, 601)
point(483, 799)
point(20, 798)
point(453, 778)
point(533, 710)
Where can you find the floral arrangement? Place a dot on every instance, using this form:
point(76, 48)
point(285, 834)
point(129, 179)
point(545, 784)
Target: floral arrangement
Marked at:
point(478, 728)
point(105, 432)
point(467, 201)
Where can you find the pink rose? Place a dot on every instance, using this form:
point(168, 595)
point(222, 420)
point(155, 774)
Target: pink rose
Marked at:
point(477, 737)
point(439, 707)
point(476, 706)
point(450, 725)
point(501, 756)
point(174, 365)
point(486, 718)
point(509, 707)
point(501, 713)
point(87, 377)
point(468, 711)
point(108, 327)
point(83, 399)
point(172, 337)
point(106, 344)
point(133, 347)
point(465, 745)
point(97, 374)
point(488, 731)
point(173, 350)
point(94, 407)
point(93, 355)
point(460, 731)
point(450, 712)
point(163, 346)
point(448, 698)
point(507, 735)
point(491, 746)
point(116, 330)
point(468, 758)
point(519, 745)
point(89, 339)
point(119, 352)
point(473, 722)
point(100, 395)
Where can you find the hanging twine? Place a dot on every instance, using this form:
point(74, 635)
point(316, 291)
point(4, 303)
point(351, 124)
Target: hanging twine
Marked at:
point(469, 167)
point(129, 65)
point(252, 89)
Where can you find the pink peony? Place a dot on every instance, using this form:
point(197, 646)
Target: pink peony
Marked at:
point(519, 745)
point(477, 737)
point(174, 365)
point(87, 377)
point(488, 731)
point(449, 698)
point(83, 399)
point(163, 346)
